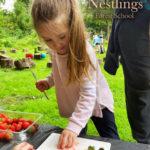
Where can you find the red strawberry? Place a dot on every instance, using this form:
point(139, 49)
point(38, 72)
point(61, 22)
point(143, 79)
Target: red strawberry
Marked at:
point(8, 136)
point(3, 115)
point(15, 120)
point(25, 125)
point(30, 121)
point(21, 120)
point(2, 134)
point(20, 123)
point(18, 127)
point(4, 120)
point(9, 121)
point(3, 126)
point(12, 128)
point(15, 125)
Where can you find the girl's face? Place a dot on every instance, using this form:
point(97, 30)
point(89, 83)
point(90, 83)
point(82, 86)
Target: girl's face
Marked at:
point(55, 33)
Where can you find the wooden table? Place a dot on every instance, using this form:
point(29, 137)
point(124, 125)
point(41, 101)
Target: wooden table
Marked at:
point(44, 131)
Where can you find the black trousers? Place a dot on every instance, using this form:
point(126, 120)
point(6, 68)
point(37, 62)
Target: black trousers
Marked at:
point(105, 126)
point(134, 42)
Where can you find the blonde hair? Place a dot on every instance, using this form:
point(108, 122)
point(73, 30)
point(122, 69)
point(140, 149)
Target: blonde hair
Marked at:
point(78, 58)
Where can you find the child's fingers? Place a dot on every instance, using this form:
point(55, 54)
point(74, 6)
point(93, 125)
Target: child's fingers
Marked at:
point(42, 86)
point(64, 141)
point(70, 142)
point(60, 141)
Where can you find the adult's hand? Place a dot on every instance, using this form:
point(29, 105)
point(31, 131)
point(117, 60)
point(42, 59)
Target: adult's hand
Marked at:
point(24, 146)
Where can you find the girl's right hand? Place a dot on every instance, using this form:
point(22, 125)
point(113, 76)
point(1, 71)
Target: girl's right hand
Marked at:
point(23, 146)
point(42, 85)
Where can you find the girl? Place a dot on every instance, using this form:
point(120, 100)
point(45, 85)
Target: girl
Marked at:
point(81, 90)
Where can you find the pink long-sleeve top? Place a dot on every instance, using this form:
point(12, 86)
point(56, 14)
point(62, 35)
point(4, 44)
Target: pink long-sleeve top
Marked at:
point(80, 101)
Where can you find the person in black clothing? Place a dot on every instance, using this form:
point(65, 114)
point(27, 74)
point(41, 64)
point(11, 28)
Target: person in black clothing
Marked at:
point(130, 43)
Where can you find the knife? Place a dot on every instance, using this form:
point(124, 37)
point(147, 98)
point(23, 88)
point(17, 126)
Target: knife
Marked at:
point(35, 77)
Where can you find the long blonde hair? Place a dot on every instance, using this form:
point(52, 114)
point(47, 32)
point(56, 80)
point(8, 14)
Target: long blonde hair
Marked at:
point(78, 58)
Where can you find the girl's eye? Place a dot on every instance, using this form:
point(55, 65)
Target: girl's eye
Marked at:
point(62, 37)
point(49, 40)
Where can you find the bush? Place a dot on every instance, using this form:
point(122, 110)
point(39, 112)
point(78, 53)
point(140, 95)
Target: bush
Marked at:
point(7, 42)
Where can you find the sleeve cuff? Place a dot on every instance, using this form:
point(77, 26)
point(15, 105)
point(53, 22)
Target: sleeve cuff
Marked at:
point(74, 127)
point(111, 65)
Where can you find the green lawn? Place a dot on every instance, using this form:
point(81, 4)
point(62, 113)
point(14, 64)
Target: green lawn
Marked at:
point(18, 92)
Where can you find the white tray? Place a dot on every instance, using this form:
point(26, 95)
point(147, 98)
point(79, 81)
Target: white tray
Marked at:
point(51, 143)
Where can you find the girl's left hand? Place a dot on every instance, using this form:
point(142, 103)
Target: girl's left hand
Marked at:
point(67, 139)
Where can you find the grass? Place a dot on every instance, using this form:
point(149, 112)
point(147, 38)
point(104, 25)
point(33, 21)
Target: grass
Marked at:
point(18, 92)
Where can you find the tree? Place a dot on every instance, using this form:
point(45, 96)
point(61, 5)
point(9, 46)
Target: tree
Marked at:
point(97, 19)
point(21, 16)
point(2, 1)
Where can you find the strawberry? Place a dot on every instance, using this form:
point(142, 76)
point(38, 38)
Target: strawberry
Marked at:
point(18, 127)
point(12, 128)
point(9, 121)
point(25, 125)
point(4, 120)
point(30, 121)
point(20, 123)
point(15, 120)
point(3, 115)
point(8, 136)
point(2, 134)
point(15, 125)
point(21, 120)
point(3, 126)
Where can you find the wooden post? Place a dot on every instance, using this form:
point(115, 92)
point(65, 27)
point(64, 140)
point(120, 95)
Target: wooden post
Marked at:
point(3, 51)
point(6, 63)
point(13, 51)
point(49, 64)
point(37, 56)
point(24, 63)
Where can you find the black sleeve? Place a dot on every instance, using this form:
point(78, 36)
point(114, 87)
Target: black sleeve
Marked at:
point(112, 57)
